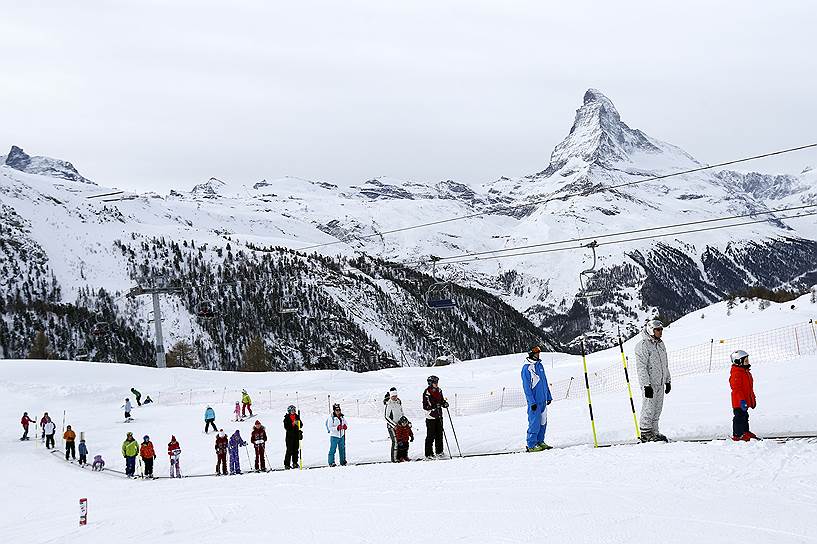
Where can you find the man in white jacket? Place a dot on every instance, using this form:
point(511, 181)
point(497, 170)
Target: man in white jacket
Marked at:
point(392, 413)
point(653, 374)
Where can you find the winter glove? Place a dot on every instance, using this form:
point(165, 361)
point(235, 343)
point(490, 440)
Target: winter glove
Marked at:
point(411, 439)
point(743, 406)
point(548, 402)
point(345, 427)
point(445, 404)
point(340, 427)
point(533, 407)
point(667, 388)
point(648, 391)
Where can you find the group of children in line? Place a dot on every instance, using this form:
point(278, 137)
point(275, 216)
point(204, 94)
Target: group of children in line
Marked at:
point(399, 427)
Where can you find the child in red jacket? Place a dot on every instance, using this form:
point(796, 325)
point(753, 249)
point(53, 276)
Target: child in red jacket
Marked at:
point(743, 395)
point(403, 435)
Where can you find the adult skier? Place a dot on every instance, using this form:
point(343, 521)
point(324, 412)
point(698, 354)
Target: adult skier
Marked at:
point(221, 453)
point(336, 427)
point(209, 419)
point(743, 395)
point(128, 407)
point(293, 436)
point(235, 442)
point(49, 429)
point(246, 403)
point(537, 394)
point(130, 449)
point(174, 451)
point(393, 412)
point(83, 452)
point(654, 377)
point(138, 396)
point(148, 455)
point(433, 404)
point(70, 437)
point(25, 421)
point(259, 440)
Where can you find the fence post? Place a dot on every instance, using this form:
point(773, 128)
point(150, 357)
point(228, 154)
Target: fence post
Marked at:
point(190, 398)
point(813, 333)
point(223, 394)
point(502, 399)
point(329, 400)
point(455, 404)
point(711, 349)
point(357, 405)
point(270, 398)
point(797, 341)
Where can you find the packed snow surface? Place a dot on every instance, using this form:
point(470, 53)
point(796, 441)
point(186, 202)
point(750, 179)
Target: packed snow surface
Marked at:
point(678, 492)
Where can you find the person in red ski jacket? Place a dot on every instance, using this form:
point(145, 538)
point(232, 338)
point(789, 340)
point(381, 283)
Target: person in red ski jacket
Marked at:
point(174, 451)
point(25, 421)
point(743, 395)
point(403, 435)
point(259, 440)
point(221, 453)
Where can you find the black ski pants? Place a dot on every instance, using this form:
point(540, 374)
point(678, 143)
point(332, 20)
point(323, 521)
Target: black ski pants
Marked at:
point(148, 466)
point(69, 449)
point(208, 422)
point(83, 459)
point(740, 423)
point(260, 457)
point(49, 440)
point(291, 456)
point(434, 436)
point(393, 443)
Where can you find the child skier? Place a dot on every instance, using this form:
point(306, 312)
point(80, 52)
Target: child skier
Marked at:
point(246, 403)
point(743, 395)
point(209, 419)
point(237, 411)
point(70, 437)
point(98, 464)
point(174, 451)
point(259, 440)
point(148, 454)
point(403, 434)
point(336, 427)
point(221, 453)
point(235, 442)
point(25, 422)
point(128, 407)
point(83, 453)
point(294, 434)
point(130, 449)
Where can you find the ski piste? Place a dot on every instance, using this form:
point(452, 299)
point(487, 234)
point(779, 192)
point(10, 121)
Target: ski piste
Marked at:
point(808, 437)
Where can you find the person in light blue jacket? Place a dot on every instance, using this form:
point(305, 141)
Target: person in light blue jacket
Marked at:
point(209, 419)
point(537, 394)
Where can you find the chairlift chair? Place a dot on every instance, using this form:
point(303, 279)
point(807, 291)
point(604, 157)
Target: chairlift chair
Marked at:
point(288, 304)
point(205, 309)
point(440, 296)
point(586, 275)
point(100, 328)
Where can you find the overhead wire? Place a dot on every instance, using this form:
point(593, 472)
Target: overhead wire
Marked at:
point(534, 202)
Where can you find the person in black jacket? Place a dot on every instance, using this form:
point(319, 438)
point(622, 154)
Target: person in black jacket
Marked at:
point(433, 404)
point(294, 434)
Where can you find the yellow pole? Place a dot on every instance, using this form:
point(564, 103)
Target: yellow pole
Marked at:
point(629, 389)
point(589, 402)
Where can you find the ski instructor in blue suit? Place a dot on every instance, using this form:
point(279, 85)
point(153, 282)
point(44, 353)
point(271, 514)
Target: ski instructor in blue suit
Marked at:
point(537, 393)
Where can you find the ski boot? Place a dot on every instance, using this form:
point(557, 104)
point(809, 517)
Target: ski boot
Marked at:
point(660, 438)
point(647, 436)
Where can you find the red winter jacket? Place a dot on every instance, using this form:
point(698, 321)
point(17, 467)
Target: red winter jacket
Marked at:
point(740, 379)
point(25, 421)
point(259, 435)
point(403, 432)
point(172, 446)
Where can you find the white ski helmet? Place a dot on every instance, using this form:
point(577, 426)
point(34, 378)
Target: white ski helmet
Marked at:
point(739, 357)
point(654, 324)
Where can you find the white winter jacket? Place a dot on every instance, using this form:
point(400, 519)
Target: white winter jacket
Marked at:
point(332, 426)
point(393, 412)
point(50, 428)
point(651, 360)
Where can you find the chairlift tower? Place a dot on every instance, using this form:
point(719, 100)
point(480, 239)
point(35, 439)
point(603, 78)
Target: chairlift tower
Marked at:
point(155, 287)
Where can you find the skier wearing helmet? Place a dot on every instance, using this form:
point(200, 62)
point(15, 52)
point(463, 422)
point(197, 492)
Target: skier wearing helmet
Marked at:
point(433, 404)
point(294, 435)
point(653, 374)
point(743, 395)
point(537, 393)
point(148, 455)
point(130, 449)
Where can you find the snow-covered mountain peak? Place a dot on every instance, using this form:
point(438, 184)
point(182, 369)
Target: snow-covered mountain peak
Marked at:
point(45, 166)
point(212, 188)
point(599, 137)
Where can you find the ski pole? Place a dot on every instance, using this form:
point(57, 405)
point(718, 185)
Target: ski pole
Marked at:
point(629, 389)
point(453, 430)
point(300, 440)
point(589, 402)
point(445, 437)
point(249, 461)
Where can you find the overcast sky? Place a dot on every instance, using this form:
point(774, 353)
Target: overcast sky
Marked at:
point(153, 95)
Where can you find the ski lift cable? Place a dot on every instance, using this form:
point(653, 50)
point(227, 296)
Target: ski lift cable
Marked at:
point(634, 239)
point(609, 235)
point(555, 198)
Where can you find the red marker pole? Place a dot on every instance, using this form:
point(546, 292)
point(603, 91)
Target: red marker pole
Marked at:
point(83, 512)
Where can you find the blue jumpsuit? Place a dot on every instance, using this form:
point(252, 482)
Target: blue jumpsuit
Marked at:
point(537, 392)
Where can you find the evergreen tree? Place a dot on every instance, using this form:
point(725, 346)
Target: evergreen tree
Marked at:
point(255, 356)
point(181, 354)
point(40, 348)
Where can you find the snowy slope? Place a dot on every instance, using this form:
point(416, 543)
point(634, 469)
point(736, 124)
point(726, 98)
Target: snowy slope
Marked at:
point(697, 492)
